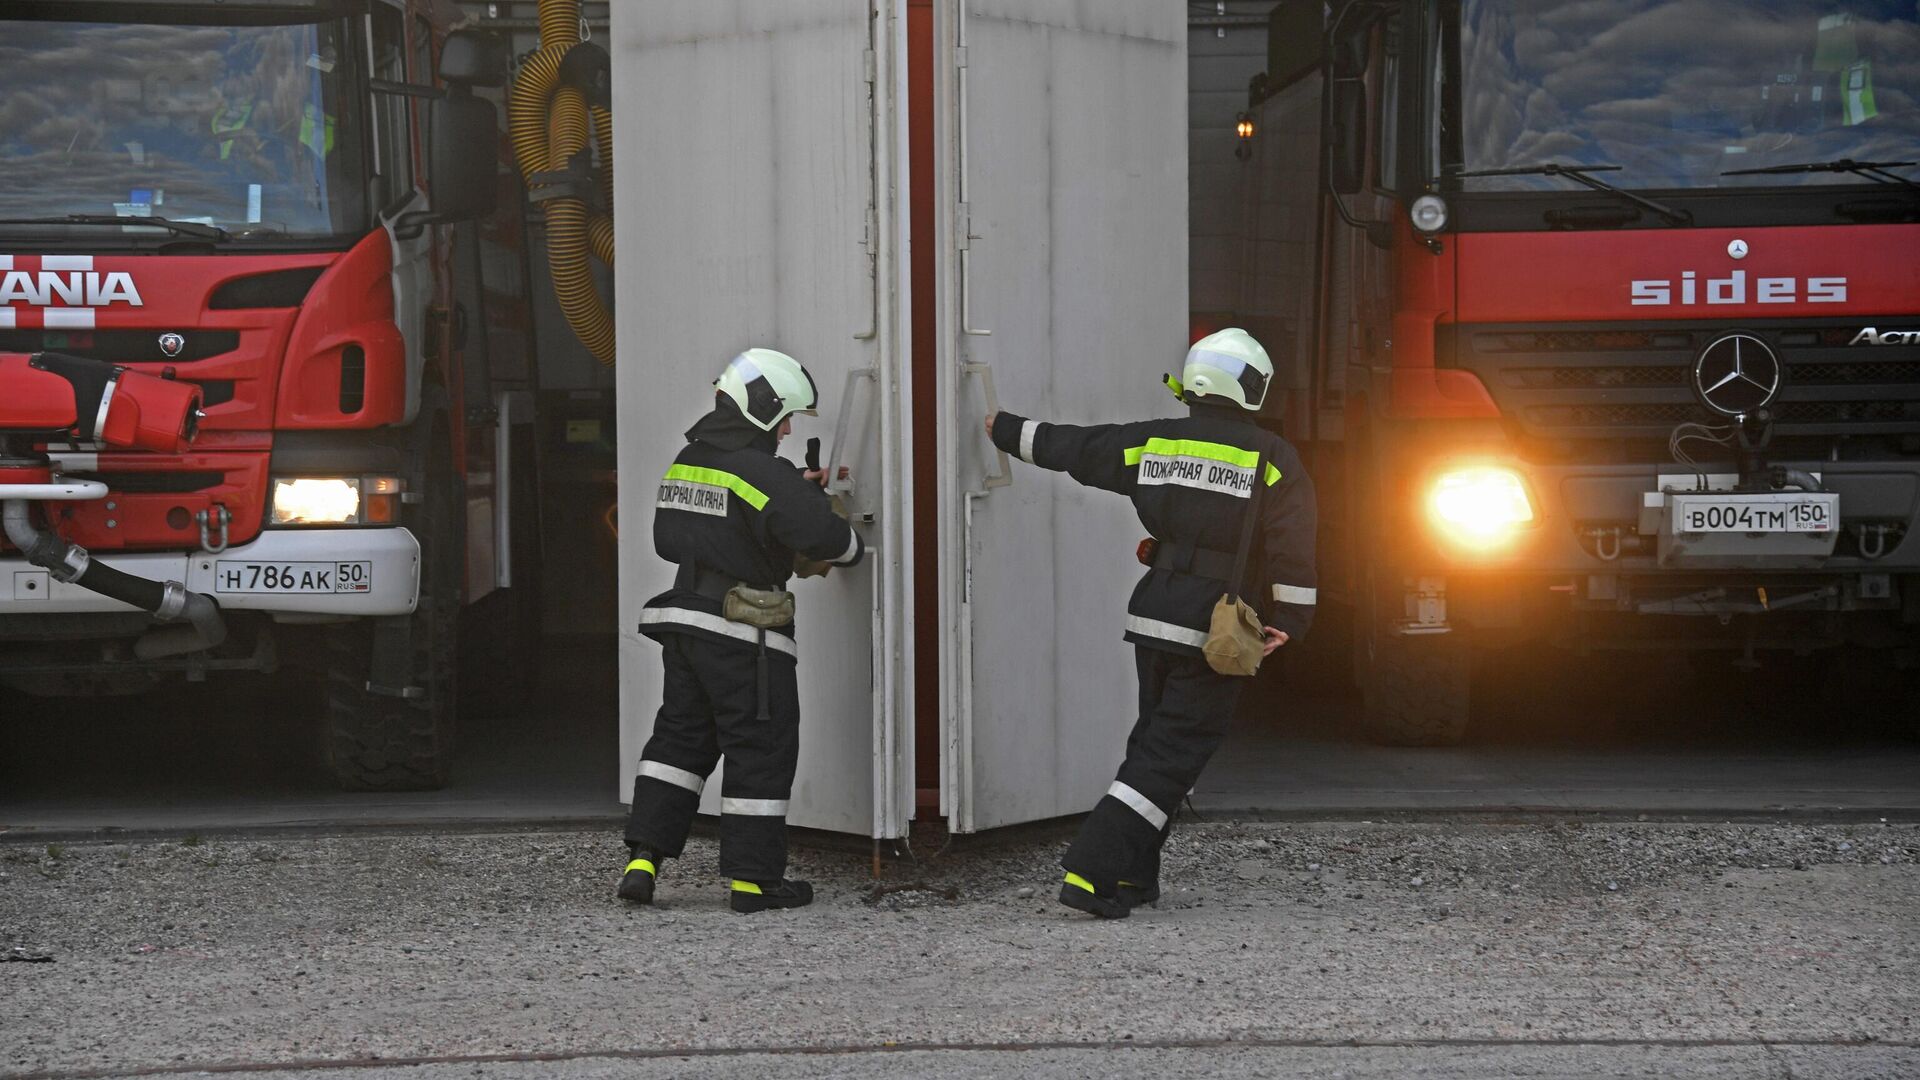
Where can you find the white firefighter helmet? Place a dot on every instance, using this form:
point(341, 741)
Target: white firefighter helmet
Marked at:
point(1230, 364)
point(768, 386)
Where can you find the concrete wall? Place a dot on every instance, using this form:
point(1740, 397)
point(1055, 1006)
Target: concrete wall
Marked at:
point(1220, 60)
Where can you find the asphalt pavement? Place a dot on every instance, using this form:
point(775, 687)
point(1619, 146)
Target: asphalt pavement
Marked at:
point(1437, 948)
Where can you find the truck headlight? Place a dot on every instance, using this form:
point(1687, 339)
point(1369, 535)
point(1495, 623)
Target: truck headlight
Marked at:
point(1482, 506)
point(1429, 213)
point(333, 500)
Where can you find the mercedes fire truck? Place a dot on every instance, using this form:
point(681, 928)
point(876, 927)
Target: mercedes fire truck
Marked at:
point(250, 396)
point(1603, 327)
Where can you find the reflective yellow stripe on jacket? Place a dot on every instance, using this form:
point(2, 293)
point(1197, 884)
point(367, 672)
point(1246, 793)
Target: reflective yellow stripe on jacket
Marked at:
point(718, 478)
point(1199, 448)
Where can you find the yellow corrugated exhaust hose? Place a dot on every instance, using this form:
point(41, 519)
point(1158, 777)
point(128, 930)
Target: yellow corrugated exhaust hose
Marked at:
point(550, 122)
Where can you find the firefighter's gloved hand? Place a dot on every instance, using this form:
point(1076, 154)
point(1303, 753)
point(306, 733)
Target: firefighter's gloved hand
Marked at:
point(1274, 639)
point(805, 567)
point(991, 417)
point(818, 476)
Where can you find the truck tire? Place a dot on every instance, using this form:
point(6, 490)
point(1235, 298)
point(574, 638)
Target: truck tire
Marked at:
point(379, 741)
point(1414, 691)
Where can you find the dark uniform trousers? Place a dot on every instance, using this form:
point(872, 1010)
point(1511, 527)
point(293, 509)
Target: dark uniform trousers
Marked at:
point(1185, 708)
point(711, 708)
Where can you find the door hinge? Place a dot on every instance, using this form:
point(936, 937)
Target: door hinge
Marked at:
point(959, 56)
point(871, 66)
point(962, 226)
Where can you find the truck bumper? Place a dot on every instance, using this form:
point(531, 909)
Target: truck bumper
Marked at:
point(306, 572)
point(1589, 571)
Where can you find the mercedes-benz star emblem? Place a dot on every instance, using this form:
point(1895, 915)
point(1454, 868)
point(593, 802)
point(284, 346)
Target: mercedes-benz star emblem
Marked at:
point(1736, 375)
point(1737, 249)
point(171, 344)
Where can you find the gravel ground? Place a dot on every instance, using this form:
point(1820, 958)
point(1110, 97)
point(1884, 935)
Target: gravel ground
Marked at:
point(1358, 949)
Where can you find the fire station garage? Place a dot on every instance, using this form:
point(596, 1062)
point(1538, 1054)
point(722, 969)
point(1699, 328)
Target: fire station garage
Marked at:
point(1606, 383)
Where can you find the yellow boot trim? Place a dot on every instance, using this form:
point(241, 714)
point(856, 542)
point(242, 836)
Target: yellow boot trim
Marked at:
point(746, 887)
point(641, 864)
point(1079, 882)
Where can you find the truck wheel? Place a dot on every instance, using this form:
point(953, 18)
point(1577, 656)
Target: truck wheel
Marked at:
point(381, 741)
point(1414, 690)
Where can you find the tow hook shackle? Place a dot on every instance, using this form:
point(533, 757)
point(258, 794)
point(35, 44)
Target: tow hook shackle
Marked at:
point(213, 520)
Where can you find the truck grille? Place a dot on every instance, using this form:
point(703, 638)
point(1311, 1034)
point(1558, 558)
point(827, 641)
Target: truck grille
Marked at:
point(1599, 382)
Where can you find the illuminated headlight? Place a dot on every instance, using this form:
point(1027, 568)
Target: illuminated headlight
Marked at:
point(333, 500)
point(314, 500)
point(1429, 213)
point(1483, 506)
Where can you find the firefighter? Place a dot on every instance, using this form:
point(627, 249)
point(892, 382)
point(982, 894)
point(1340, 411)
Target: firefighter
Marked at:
point(736, 520)
point(1193, 480)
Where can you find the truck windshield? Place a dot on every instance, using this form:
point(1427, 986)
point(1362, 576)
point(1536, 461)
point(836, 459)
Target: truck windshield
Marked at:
point(250, 128)
point(1679, 92)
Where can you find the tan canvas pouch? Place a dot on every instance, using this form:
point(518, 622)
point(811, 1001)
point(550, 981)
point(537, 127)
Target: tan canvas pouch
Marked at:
point(762, 608)
point(1234, 640)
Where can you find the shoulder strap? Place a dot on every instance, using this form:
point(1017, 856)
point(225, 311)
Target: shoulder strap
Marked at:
point(1246, 530)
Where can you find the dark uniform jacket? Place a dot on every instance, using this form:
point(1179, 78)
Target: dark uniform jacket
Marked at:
point(728, 511)
point(1190, 479)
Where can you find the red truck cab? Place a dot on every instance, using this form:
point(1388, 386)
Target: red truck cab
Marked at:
point(1598, 326)
point(278, 203)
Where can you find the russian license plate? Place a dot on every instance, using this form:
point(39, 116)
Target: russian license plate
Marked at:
point(1769, 513)
point(292, 577)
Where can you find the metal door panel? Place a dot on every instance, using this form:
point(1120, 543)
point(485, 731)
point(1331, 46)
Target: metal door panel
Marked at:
point(752, 144)
point(1064, 273)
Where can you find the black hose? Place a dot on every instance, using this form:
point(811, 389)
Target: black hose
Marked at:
point(203, 627)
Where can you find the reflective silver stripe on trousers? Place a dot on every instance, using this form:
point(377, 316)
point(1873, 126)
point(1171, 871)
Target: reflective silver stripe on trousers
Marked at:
point(678, 777)
point(683, 617)
point(853, 548)
point(1142, 805)
point(754, 807)
point(1028, 429)
point(1294, 594)
point(1166, 631)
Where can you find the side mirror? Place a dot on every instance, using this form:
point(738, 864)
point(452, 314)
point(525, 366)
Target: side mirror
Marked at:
point(473, 59)
point(464, 164)
point(1347, 134)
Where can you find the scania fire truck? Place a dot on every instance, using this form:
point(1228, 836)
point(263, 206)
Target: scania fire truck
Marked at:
point(251, 395)
point(1601, 326)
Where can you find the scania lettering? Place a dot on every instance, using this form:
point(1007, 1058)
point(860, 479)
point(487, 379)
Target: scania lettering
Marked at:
point(1580, 336)
point(262, 357)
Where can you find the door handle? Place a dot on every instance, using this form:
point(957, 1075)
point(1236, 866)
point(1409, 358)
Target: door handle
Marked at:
point(985, 372)
point(842, 429)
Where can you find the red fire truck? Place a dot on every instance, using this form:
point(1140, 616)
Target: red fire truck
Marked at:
point(1601, 325)
point(251, 394)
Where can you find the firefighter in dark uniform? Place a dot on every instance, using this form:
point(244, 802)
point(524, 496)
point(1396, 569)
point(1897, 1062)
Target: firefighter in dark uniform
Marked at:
point(734, 518)
point(1192, 481)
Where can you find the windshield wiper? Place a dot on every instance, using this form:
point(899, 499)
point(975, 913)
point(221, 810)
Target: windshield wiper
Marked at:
point(1578, 174)
point(1872, 170)
point(178, 228)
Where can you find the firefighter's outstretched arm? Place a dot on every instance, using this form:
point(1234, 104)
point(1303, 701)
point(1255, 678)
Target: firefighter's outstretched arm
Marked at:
point(801, 516)
point(1289, 520)
point(1095, 456)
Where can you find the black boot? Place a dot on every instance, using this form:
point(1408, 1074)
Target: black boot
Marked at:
point(637, 883)
point(1078, 893)
point(1138, 894)
point(760, 895)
